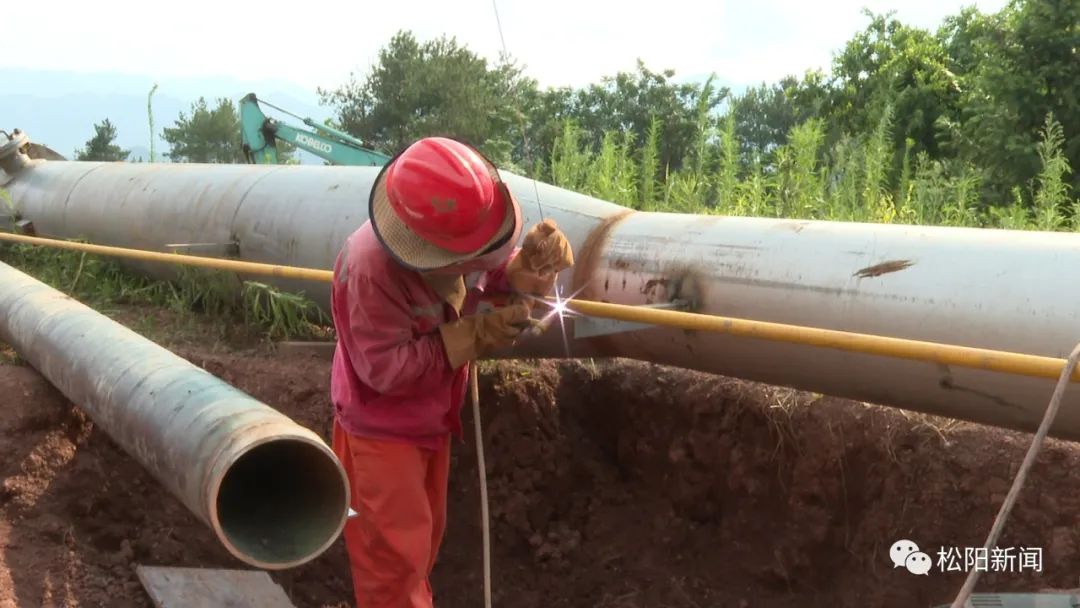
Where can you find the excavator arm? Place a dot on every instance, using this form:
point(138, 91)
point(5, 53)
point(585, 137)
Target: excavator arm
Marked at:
point(261, 133)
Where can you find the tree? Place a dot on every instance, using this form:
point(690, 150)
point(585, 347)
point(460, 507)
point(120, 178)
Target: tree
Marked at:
point(766, 114)
point(628, 102)
point(904, 70)
point(425, 89)
point(102, 147)
point(417, 89)
point(207, 135)
point(286, 153)
point(1020, 66)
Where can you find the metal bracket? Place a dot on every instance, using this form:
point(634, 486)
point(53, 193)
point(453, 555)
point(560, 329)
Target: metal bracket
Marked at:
point(229, 249)
point(11, 157)
point(12, 143)
point(26, 227)
point(588, 327)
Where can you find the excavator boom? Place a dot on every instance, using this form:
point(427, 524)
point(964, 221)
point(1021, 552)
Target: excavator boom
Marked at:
point(261, 133)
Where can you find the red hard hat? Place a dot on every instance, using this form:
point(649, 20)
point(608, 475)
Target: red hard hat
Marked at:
point(444, 191)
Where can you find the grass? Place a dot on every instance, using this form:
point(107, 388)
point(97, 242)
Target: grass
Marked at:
point(8, 356)
point(283, 315)
point(96, 281)
point(193, 295)
point(8, 206)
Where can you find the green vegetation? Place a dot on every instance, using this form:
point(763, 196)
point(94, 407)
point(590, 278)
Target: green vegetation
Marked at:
point(212, 135)
point(974, 123)
point(6, 204)
point(977, 123)
point(207, 135)
point(851, 182)
point(150, 119)
point(281, 314)
point(104, 284)
point(102, 146)
point(418, 89)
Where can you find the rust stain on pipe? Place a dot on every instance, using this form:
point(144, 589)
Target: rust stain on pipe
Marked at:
point(592, 253)
point(586, 282)
point(883, 268)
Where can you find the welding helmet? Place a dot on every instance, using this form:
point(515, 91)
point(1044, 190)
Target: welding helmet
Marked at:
point(440, 205)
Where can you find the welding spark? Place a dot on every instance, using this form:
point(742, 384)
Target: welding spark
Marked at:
point(559, 308)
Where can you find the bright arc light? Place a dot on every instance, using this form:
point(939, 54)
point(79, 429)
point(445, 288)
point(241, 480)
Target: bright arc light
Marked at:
point(556, 309)
point(559, 307)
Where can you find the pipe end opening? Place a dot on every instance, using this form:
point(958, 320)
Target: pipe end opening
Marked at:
point(282, 503)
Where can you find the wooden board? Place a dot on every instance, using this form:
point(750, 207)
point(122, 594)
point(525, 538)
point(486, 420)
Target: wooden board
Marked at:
point(204, 588)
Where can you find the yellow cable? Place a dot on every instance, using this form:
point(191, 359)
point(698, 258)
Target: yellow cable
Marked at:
point(286, 272)
point(931, 352)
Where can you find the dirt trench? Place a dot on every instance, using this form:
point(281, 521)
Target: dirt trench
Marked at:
point(614, 484)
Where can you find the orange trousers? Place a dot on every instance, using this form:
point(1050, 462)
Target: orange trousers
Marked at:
point(399, 493)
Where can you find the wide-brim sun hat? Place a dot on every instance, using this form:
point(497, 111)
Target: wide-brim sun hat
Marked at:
point(437, 169)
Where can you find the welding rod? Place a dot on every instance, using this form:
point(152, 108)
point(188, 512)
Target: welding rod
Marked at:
point(930, 352)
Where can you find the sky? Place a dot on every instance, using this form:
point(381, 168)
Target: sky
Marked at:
point(318, 43)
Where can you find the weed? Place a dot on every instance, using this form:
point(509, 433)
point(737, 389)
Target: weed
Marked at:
point(150, 118)
point(104, 284)
point(281, 314)
point(8, 356)
point(8, 206)
point(207, 291)
point(650, 164)
point(856, 179)
point(91, 279)
point(1052, 196)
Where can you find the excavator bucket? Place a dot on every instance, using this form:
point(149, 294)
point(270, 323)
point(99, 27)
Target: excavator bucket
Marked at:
point(36, 151)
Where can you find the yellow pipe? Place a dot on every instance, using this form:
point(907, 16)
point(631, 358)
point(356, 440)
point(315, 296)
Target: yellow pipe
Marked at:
point(287, 272)
point(931, 352)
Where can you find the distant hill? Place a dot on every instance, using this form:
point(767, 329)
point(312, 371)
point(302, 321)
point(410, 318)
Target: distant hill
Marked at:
point(139, 153)
point(59, 109)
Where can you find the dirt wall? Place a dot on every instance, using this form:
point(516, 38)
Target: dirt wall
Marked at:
point(613, 484)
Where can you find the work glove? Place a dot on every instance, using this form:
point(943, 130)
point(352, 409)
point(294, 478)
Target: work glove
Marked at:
point(544, 254)
point(474, 336)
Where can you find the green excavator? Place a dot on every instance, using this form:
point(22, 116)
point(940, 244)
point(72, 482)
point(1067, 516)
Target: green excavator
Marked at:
point(261, 133)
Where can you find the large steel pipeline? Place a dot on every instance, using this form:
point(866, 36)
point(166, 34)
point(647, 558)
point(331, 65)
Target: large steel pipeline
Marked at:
point(994, 289)
point(552, 305)
point(272, 491)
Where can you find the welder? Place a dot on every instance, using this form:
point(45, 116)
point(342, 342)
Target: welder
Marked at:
point(441, 238)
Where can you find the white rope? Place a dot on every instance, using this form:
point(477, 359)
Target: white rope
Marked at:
point(1021, 475)
point(474, 386)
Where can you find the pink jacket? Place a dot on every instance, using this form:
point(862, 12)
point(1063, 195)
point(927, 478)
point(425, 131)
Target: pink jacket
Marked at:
point(390, 377)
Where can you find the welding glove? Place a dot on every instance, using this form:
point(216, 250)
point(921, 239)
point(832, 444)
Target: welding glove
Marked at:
point(544, 254)
point(474, 336)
